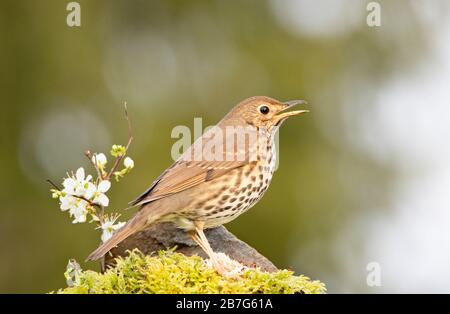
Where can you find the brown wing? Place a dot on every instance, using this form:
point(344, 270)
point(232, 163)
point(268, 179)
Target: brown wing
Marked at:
point(192, 169)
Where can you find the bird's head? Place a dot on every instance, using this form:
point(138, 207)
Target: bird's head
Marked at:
point(262, 112)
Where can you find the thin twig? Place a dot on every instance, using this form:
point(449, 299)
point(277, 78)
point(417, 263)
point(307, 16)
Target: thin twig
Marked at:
point(130, 139)
point(130, 133)
point(53, 184)
point(93, 161)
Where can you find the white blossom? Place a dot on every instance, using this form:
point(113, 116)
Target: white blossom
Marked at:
point(108, 228)
point(79, 212)
point(99, 160)
point(128, 163)
point(77, 207)
point(77, 185)
point(67, 202)
point(97, 193)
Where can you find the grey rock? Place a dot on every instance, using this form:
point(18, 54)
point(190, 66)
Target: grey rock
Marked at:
point(166, 236)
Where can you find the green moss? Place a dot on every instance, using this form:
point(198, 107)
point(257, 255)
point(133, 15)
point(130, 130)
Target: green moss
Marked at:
point(170, 272)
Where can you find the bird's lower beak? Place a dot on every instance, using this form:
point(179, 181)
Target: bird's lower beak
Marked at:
point(282, 116)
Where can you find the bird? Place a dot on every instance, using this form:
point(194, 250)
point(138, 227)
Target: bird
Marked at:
point(220, 176)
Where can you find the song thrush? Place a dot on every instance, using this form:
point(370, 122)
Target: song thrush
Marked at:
point(224, 173)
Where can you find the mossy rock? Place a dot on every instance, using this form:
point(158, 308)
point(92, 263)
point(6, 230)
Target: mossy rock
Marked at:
point(170, 272)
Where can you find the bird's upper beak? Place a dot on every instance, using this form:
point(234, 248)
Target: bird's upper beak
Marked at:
point(280, 117)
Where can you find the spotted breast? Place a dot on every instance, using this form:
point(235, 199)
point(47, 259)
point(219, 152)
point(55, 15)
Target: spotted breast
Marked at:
point(225, 198)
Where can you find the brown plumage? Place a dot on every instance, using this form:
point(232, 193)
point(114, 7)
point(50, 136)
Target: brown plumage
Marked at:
point(223, 174)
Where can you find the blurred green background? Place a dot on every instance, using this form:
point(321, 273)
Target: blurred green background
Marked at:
point(343, 195)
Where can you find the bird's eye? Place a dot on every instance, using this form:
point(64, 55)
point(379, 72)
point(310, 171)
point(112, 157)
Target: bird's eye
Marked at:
point(264, 109)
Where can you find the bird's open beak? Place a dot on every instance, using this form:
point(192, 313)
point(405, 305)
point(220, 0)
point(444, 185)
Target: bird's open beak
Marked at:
point(282, 116)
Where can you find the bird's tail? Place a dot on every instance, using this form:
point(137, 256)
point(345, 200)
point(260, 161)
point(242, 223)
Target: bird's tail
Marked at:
point(135, 224)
